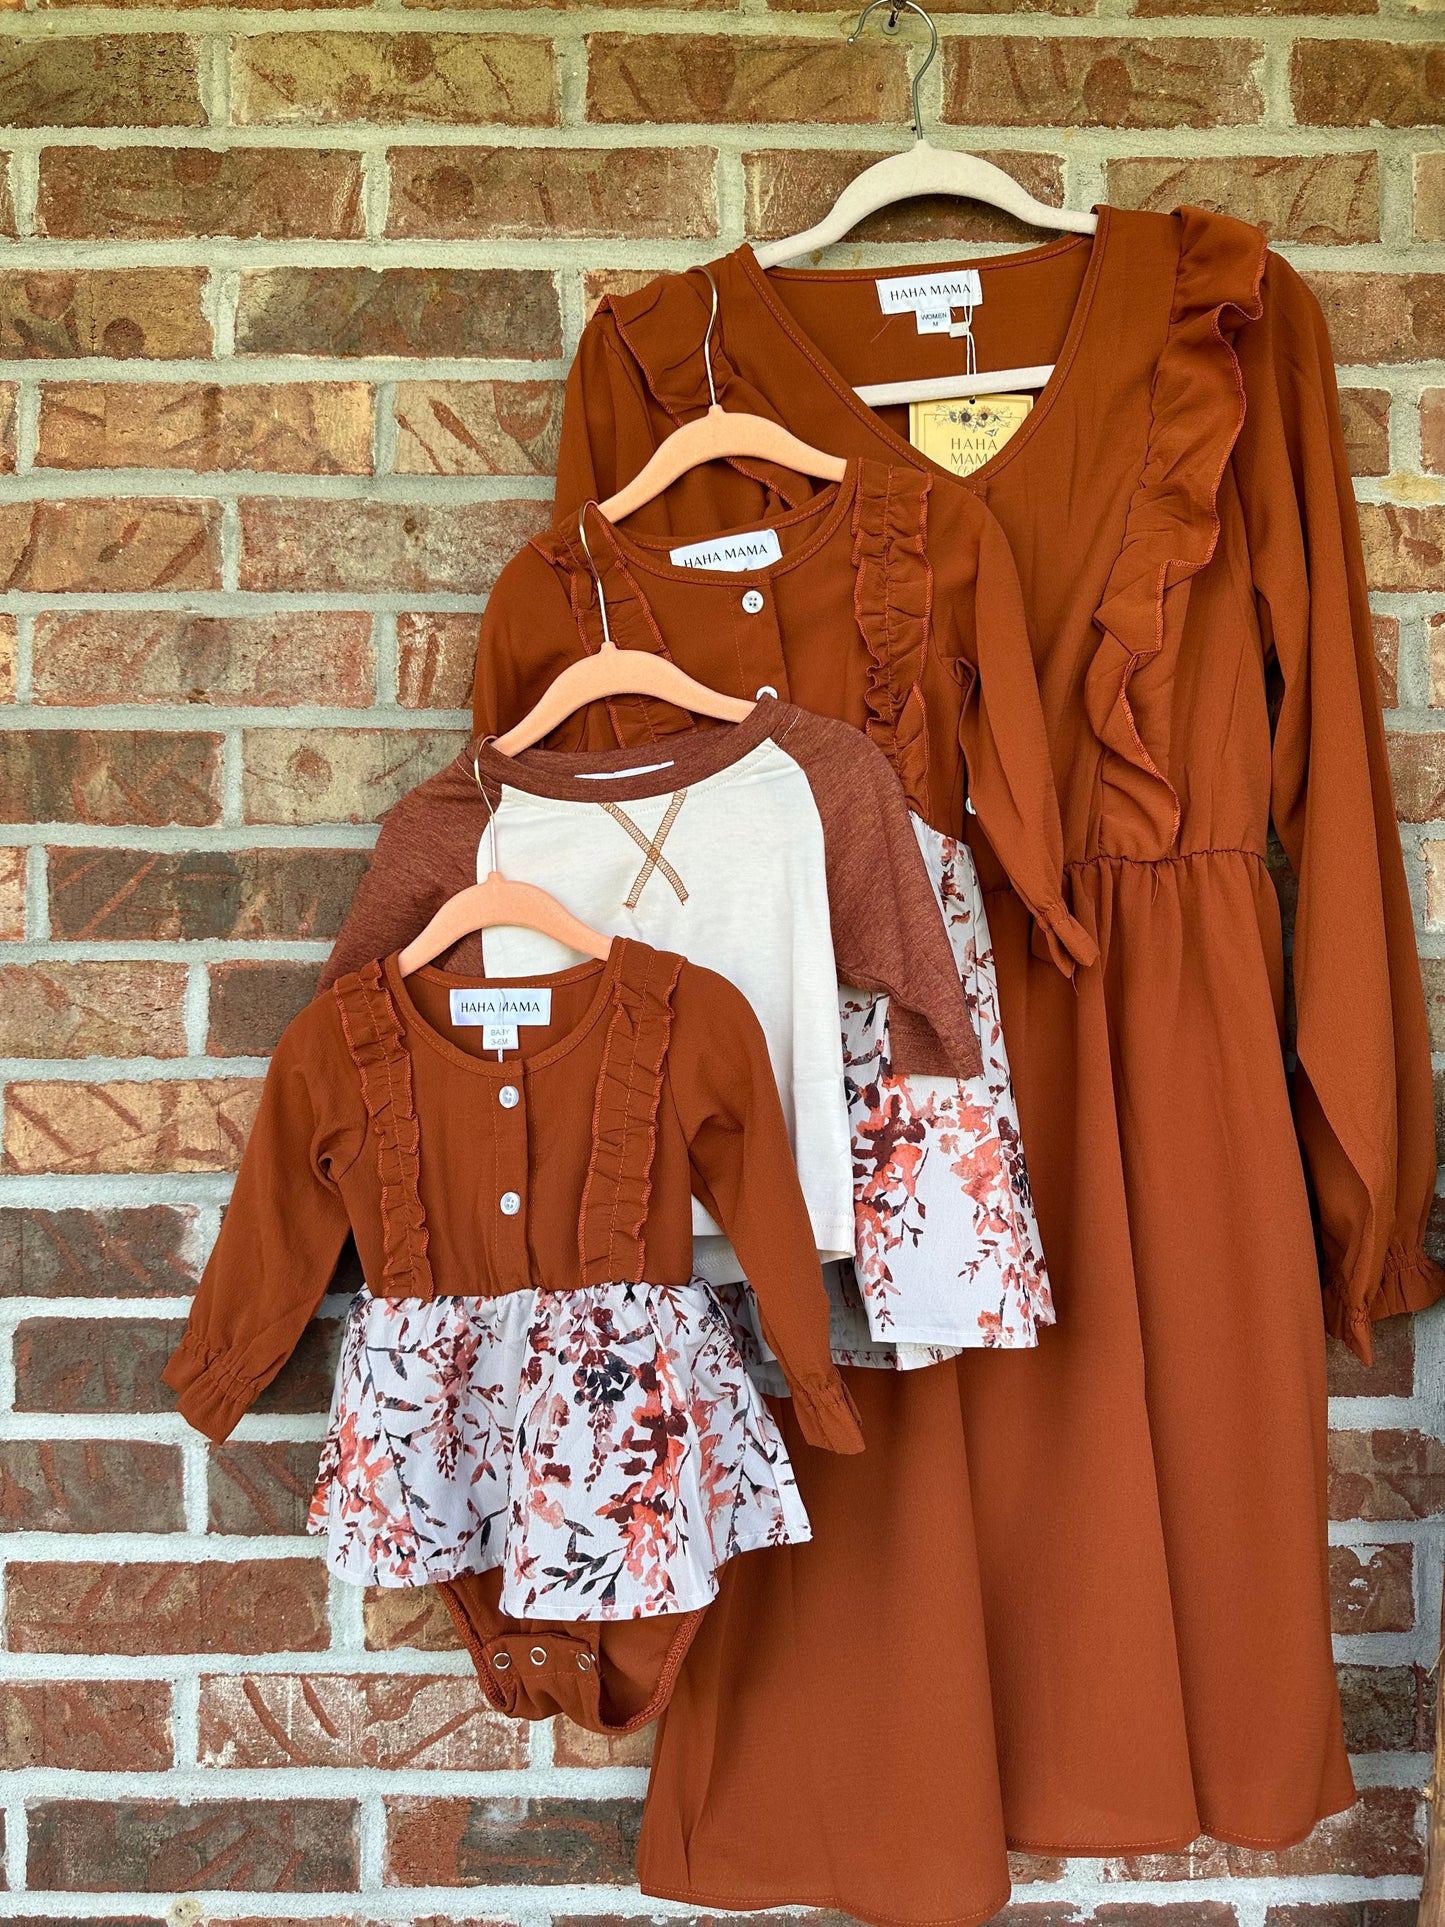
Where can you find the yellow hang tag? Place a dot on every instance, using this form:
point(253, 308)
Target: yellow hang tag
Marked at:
point(962, 435)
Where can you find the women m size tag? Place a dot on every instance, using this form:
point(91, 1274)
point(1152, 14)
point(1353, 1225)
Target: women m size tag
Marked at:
point(506, 1007)
point(962, 435)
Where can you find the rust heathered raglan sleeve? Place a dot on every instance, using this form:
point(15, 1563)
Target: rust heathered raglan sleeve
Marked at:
point(888, 931)
point(722, 1086)
point(1362, 1089)
point(282, 1234)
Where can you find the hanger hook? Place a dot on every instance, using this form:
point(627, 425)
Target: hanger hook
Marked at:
point(707, 338)
point(895, 7)
point(591, 503)
point(491, 811)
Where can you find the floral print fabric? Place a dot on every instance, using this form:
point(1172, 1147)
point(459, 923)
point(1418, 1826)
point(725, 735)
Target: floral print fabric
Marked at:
point(948, 1252)
point(603, 1445)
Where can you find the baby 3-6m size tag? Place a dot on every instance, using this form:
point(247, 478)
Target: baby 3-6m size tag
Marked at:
point(509, 1007)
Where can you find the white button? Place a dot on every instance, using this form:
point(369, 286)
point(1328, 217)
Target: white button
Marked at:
point(753, 601)
point(511, 1204)
point(509, 1096)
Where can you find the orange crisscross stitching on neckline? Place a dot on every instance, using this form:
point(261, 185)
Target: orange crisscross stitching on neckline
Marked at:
point(651, 846)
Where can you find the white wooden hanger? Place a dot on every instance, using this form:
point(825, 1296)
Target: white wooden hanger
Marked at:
point(496, 902)
point(615, 672)
point(720, 433)
point(926, 169)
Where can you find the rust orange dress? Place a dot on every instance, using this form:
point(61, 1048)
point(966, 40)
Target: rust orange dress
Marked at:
point(1148, 1487)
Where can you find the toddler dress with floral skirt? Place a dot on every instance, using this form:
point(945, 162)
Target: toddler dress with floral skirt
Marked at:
point(537, 1399)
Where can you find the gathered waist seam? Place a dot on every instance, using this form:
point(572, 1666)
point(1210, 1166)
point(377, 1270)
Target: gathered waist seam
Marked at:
point(1155, 862)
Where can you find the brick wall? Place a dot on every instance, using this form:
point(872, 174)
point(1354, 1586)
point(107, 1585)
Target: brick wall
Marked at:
point(285, 302)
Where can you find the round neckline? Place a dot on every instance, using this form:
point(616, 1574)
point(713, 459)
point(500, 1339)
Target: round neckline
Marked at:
point(761, 279)
point(692, 757)
point(650, 553)
point(606, 971)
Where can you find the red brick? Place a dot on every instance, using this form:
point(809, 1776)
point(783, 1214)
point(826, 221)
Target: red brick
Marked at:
point(1148, 8)
point(92, 1010)
point(89, 1485)
point(110, 776)
point(171, 193)
point(185, 1124)
point(398, 1617)
point(303, 776)
point(1315, 198)
point(1404, 546)
point(498, 312)
point(12, 893)
point(260, 1489)
point(1383, 317)
point(293, 543)
point(1123, 81)
point(99, 546)
point(575, 1746)
point(150, 1250)
point(391, 79)
point(164, 896)
point(105, 80)
point(1387, 658)
point(529, 1843)
point(1386, 1475)
point(478, 427)
point(435, 658)
point(788, 189)
point(1393, 1373)
point(1388, 1709)
point(1345, 1913)
point(597, 282)
point(9, 394)
point(1430, 197)
point(165, 1846)
point(1432, 430)
point(486, 193)
point(1417, 768)
point(295, 428)
point(9, 658)
point(85, 1725)
point(1372, 1588)
point(1363, 83)
point(164, 656)
point(1377, 1838)
point(252, 1003)
point(706, 77)
point(93, 1364)
point(1365, 418)
point(332, 1720)
point(304, 1383)
point(61, 313)
point(240, 1606)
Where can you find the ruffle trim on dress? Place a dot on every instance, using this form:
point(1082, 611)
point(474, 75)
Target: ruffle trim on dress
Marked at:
point(374, 1037)
point(1197, 411)
point(1409, 1281)
point(211, 1393)
point(624, 1119)
point(893, 603)
point(603, 1446)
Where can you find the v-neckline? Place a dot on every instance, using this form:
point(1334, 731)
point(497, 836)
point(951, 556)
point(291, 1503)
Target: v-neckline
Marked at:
point(898, 450)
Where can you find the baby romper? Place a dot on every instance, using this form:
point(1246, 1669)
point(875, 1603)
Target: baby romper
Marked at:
point(537, 1402)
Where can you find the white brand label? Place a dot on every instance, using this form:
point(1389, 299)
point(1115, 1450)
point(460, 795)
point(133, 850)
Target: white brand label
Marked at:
point(503, 1007)
point(499, 1037)
point(927, 293)
point(733, 553)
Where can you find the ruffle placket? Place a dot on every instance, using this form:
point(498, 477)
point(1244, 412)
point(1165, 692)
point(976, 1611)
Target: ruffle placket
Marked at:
point(893, 603)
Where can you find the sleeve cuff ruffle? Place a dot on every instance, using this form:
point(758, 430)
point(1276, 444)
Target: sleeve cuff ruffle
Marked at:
point(1061, 938)
point(1410, 1281)
point(211, 1396)
point(826, 1412)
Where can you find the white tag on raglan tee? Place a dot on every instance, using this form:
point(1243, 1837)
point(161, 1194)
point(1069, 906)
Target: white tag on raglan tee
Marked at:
point(930, 298)
point(733, 553)
point(502, 1007)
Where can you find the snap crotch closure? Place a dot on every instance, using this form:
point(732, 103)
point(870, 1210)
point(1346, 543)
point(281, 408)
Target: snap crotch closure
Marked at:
point(534, 1675)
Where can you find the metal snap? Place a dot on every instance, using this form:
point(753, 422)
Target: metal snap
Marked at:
point(753, 601)
point(501, 1662)
point(584, 1662)
point(538, 1655)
